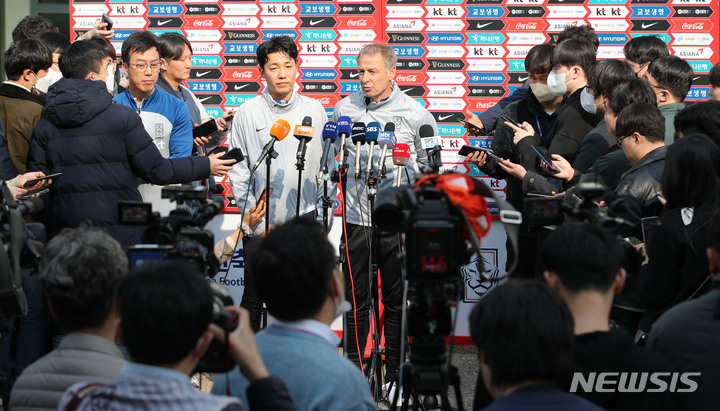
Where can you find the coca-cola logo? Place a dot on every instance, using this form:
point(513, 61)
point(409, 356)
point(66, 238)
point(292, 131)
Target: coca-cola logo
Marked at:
point(526, 26)
point(242, 74)
point(409, 78)
point(484, 105)
point(357, 23)
point(325, 101)
point(693, 26)
point(203, 23)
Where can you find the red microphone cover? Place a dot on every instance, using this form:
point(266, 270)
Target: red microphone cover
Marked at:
point(401, 154)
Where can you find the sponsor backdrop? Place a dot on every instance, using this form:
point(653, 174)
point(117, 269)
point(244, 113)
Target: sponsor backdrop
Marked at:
point(452, 55)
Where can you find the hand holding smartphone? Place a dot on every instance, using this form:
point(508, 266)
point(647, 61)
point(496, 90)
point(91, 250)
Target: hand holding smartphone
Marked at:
point(541, 153)
point(108, 20)
point(467, 149)
point(30, 183)
point(511, 121)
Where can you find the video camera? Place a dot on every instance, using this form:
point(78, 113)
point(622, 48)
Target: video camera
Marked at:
point(180, 235)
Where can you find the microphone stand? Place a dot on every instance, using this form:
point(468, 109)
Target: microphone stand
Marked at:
point(375, 371)
point(325, 199)
point(300, 168)
point(271, 155)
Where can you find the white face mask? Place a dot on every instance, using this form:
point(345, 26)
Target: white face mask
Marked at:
point(587, 101)
point(556, 83)
point(341, 304)
point(110, 79)
point(50, 78)
point(542, 92)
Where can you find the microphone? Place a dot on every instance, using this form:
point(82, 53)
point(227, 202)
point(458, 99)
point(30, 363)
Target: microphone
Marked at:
point(358, 137)
point(329, 135)
point(344, 128)
point(431, 144)
point(371, 136)
point(401, 156)
point(386, 139)
point(278, 131)
point(303, 133)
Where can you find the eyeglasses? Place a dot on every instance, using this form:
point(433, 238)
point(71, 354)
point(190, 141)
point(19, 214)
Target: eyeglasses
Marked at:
point(143, 66)
point(620, 140)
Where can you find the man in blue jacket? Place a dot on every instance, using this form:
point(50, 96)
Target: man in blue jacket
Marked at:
point(101, 149)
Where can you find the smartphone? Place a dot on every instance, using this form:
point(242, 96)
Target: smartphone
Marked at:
point(219, 149)
point(234, 154)
point(540, 151)
point(467, 149)
point(632, 240)
point(205, 129)
point(230, 118)
point(511, 121)
point(471, 126)
point(32, 193)
point(108, 20)
point(34, 181)
point(264, 197)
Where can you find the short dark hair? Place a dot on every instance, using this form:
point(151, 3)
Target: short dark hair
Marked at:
point(584, 256)
point(31, 26)
point(80, 273)
point(538, 59)
point(673, 74)
point(277, 44)
point(607, 72)
point(575, 52)
point(644, 49)
point(714, 75)
point(56, 42)
point(82, 58)
point(165, 307)
point(643, 118)
point(691, 175)
point(138, 42)
point(526, 331)
point(581, 32)
point(292, 266)
point(171, 45)
point(702, 117)
point(105, 44)
point(628, 91)
point(26, 54)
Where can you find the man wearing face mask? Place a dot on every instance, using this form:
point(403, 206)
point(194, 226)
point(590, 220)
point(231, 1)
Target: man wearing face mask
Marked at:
point(21, 103)
point(571, 60)
point(57, 43)
point(299, 278)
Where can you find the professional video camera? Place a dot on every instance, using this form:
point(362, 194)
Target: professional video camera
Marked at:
point(443, 220)
point(180, 235)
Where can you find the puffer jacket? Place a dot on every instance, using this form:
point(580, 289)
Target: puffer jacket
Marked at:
point(101, 149)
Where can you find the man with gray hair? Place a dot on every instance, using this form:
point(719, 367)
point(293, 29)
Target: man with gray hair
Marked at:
point(80, 274)
point(380, 99)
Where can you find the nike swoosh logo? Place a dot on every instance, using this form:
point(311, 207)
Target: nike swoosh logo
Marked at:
point(648, 25)
point(483, 25)
point(695, 78)
point(240, 87)
point(353, 75)
point(406, 90)
point(443, 118)
point(203, 73)
point(204, 98)
point(162, 23)
point(312, 22)
point(521, 79)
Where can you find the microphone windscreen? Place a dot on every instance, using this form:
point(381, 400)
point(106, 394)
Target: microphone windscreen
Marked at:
point(386, 139)
point(344, 125)
point(401, 154)
point(426, 130)
point(390, 126)
point(358, 133)
point(307, 121)
point(372, 131)
point(330, 131)
point(280, 129)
